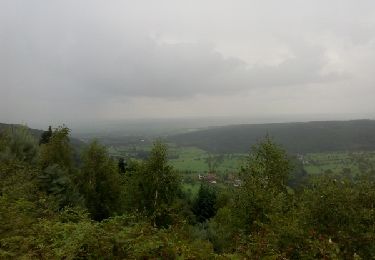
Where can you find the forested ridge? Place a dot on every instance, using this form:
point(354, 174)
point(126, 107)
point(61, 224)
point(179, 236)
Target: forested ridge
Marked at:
point(37, 133)
point(53, 206)
point(306, 137)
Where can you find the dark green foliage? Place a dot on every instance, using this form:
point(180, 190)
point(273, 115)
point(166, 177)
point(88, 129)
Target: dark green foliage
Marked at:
point(222, 231)
point(99, 182)
point(122, 165)
point(56, 181)
point(204, 206)
point(46, 135)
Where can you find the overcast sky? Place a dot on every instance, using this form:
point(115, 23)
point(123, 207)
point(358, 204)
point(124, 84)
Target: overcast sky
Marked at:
point(84, 60)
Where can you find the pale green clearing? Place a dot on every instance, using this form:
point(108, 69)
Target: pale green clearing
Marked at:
point(338, 162)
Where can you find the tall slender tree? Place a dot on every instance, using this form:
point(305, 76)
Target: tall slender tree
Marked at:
point(263, 188)
point(154, 184)
point(99, 182)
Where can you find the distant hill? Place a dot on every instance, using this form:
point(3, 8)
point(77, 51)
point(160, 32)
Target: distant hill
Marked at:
point(306, 137)
point(35, 132)
point(76, 143)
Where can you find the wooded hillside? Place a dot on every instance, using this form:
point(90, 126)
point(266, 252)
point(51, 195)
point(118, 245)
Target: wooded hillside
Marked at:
point(307, 137)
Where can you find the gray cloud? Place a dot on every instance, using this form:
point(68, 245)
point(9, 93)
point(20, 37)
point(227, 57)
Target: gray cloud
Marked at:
point(126, 64)
point(57, 58)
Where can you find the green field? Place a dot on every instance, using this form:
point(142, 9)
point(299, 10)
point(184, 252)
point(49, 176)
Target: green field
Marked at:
point(193, 160)
point(188, 159)
point(196, 160)
point(338, 162)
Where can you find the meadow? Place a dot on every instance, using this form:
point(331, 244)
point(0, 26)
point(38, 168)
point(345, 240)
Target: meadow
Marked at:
point(350, 163)
point(193, 160)
point(187, 159)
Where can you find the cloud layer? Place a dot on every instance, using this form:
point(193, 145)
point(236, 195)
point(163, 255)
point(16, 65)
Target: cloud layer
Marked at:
point(88, 59)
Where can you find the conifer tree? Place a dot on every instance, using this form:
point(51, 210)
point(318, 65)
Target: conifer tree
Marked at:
point(46, 135)
point(57, 170)
point(121, 165)
point(58, 149)
point(204, 205)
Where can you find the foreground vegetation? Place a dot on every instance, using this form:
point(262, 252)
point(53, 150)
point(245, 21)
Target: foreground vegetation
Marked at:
point(55, 204)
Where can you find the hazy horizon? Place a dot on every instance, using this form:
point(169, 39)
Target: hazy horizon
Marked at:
point(166, 126)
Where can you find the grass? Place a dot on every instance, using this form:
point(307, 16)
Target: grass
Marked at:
point(196, 160)
point(188, 159)
point(192, 160)
point(338, 162)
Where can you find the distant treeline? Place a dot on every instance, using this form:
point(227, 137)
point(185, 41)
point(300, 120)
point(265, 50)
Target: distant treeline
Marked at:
point(307, 137)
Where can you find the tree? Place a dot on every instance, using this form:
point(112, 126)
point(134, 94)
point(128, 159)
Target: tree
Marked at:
point(122, 165)
point(154, 184)
point(57, 150)
point(99, 182)
point(263, 188)
point(56, 181)
point(269, 164)
point(204, 205)
point(58, 176)
point(343, 211)
point(46, 135)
